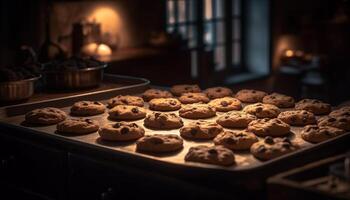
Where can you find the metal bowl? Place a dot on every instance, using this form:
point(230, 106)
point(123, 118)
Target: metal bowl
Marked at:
point(74, 78)
point(17, 90)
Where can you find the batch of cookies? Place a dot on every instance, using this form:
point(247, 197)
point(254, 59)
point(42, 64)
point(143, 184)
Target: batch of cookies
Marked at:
point(262, 117)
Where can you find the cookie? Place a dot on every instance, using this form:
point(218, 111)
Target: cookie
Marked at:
point(78, 126)
point(126, 112)
point(269, 127)
point(200, 130)
point(297, 117)
point(197, 111)
point(159, 143)
point(193, 97)
point(235, 119)
point(236, 140)
point(250, 96)
point(342, 122)
point(178, 90)
point(270, 148)
point(125, 100)
point(87, 108)
point(121, 131)
point(226, 104)
point(262, 110)
point(215, 155)
point(279, 100)
point(316, 134)
point(218, 92)
point(344, 111)
point(164, 104)
point(45, 116)
point(155, 93)
point(315, 106)
point(163, 121)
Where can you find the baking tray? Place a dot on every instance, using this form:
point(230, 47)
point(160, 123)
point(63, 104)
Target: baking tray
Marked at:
point(246, 164)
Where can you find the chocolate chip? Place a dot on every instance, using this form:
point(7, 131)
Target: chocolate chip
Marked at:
point(124, 130)
point(273, 97)
point(304, 120)
point(172, 102)
point(212, 151)
point(218, 90)
point(187, 88)
point(190, 96)
point(259, 109)
point(269, 140)
point(193, 131)
point(85, 104)
point(124, 101)
point(224, 103)
point(230, 141)
point(156, 115)
point(157, 140)
point(88, 121)
point(117, 125)
point(134, 125)
point(331, 119)
point(97, 103)
point(240, 135)
point(293, 119)
point(261, 149)
point(135, 110)
point(343, 120)
point(286, 145)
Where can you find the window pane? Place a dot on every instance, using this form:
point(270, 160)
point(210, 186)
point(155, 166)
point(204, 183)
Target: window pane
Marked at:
point(236, 29)
point(208, 9)
point(192, 10)
point(192, 36)
point(182, 10)
point(220, 32)
point(236, 53)
point(219, 11)
point(219, 58)
point(171, 12)
point(236, 7)
point(182, 31)
point(208, 33)
point(170, 29)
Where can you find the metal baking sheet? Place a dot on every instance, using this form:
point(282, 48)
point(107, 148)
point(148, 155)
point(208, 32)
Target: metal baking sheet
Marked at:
point(245, 162)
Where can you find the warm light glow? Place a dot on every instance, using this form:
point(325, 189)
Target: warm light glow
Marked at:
point(108, 17)
point(94, 49)
point(289, 53)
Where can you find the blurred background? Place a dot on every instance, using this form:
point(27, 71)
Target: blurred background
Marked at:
point(297, 47)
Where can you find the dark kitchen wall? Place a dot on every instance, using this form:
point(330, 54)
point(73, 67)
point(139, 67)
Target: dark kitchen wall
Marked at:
point(22, 22)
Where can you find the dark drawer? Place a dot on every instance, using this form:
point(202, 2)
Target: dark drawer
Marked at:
point(30, 166)
point(94, 179)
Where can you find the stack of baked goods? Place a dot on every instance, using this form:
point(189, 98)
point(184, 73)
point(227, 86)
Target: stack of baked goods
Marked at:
point(249, 120)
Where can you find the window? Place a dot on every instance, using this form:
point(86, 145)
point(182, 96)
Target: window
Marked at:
point(221, 23)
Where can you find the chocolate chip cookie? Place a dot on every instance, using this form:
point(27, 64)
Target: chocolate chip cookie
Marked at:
point(316, 134)
point(159, 143)
point(45, 116)
point(250, 96)
point(218, 92)
point(126, 112)
point(226, 104)
point(178, 90)
point(200, 130)
point(125, 100)
point(121, 131)
point(279, 100)
point(269, 127)
point(216, 155)
point(163, 121)
point(87, 108)
point(193, 97)
point(342, 122)
point(78, 126)
point(297, 117)
point(236, 140)
point(155, 93)
point(164, 104)
point(313, 105)
point(270, 148)
point(262, 110)
point(344, 111)
point(235, 119)
point(197, 111)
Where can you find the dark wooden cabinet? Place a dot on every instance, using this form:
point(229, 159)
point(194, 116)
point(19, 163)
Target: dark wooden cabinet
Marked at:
point(33, 167)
